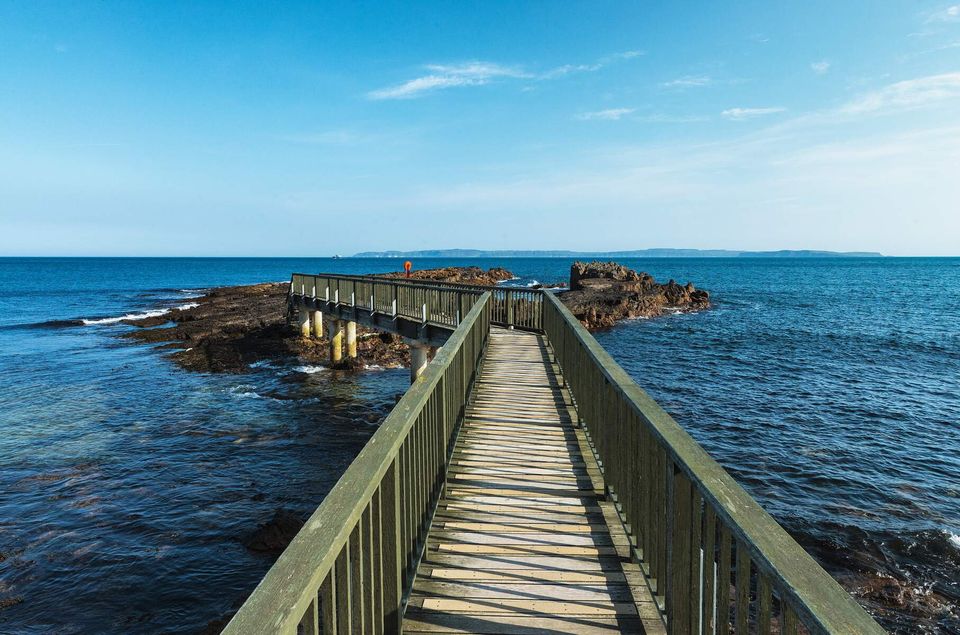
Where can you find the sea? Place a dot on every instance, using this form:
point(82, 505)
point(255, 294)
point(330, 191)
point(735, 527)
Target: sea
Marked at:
point(828, 387)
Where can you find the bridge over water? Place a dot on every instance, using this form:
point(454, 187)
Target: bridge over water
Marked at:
point(526, 484)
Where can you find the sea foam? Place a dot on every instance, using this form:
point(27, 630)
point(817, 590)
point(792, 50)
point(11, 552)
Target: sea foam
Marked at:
point(129, 316)
point(309, 370)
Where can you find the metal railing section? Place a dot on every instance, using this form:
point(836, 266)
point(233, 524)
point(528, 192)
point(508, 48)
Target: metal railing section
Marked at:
point(351, 564)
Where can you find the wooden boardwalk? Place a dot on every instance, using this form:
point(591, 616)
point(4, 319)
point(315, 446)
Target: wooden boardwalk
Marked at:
point(523, 540)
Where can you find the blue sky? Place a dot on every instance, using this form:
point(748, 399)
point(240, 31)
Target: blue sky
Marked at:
point(232, 128)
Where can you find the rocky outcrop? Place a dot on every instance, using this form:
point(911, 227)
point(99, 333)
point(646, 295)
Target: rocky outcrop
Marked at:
point(603, 293)
point(461, 275)
point(233, 327)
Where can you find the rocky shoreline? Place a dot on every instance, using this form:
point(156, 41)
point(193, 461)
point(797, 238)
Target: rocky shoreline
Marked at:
point(229, 328)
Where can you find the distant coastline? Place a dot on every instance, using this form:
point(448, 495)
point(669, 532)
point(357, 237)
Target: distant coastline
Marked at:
point(638, 253)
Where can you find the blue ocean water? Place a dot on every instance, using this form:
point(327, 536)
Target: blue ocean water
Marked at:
point(830, 388)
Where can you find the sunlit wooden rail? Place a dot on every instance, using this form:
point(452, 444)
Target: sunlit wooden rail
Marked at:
point(526, 484)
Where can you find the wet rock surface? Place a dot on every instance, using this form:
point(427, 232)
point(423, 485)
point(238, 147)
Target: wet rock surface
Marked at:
point(274, 535)
point(603, 293)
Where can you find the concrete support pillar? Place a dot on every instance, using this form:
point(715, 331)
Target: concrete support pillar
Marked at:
point(335, 329)
point(316, 321)
point(304, 322)
point(419, 358)
point(351, 339)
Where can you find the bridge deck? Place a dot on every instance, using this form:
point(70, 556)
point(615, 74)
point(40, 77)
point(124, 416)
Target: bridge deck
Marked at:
point(523, 540)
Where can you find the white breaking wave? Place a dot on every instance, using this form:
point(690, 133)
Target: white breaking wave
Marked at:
point(129, 316)
point(140, 316)
point(954, 540)
point(309, 370)
point(532, 284)
point(244, 391)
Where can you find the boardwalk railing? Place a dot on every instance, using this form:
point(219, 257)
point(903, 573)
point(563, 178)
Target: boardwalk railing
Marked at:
point(716, 561)
point(349, 567)
point(442, 303)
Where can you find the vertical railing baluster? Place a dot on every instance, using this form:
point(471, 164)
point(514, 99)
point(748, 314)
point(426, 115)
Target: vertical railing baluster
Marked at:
point(357, 592)
point(393, 565)
point(342, 580)
point(743, 589)
point(328, 607)
point(709, 567)
point(696, 566)
point(764, 605)
point(723, 581)
point(366, 523)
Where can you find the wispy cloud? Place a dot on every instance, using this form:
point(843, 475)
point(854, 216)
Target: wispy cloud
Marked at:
point(821, 67)
point(688, 81)
point(610, 114)
point(567, 69)
point(741, 114)
point(947, 14)
point(478, 73)
point(625, 55)
point(447, 76)
point(906, 95)
point(662, 118)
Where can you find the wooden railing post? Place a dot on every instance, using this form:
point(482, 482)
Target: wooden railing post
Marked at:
point(392, 550)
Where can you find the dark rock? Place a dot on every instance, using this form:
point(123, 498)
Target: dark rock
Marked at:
point(274, 535)
point(603, 293)
point(8, 602)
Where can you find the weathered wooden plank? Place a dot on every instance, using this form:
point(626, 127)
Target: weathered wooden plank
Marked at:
point(522, 532)
point(490, 624)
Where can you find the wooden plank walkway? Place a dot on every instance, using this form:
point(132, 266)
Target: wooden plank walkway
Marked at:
point(523, 540)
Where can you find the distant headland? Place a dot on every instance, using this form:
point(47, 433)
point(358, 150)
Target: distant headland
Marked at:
point(637, 253)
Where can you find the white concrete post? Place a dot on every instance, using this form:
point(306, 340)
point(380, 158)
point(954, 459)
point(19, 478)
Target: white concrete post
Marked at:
point(316, 321)
point(352, 339)
point(419, 358)
point(335, 330)
point(304, 322)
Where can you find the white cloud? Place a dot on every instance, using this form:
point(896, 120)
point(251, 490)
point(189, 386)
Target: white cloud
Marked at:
point(626, 55)
point(477, 73)
point(947, 14)
point(739, 114)
point(567, 69)
point(448, 76)
point(688, 81)
point(906, 95)
point(610, 114)
point(821, 67)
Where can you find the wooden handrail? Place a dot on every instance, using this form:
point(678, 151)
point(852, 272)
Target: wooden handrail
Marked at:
point(695, 529)
point(349, 566)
